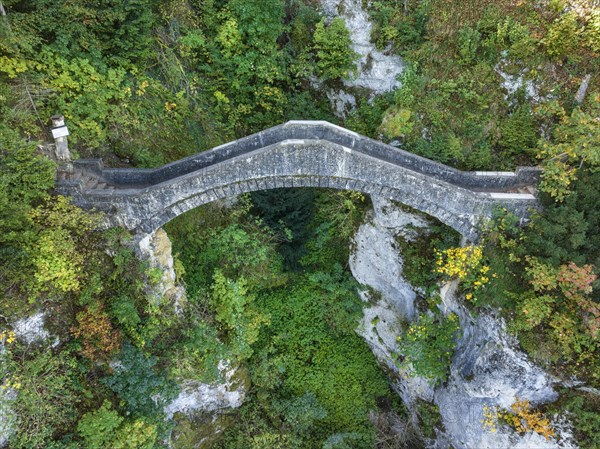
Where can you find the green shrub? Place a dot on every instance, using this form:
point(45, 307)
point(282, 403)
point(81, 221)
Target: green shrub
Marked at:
point(516, 38)
point(338, 214)
point(586, 420)
point(25, 178)
point(428, 345)
point(592, 31)
point(348, 440)
point(136, 434)
point(235, 311)
point(420, 254)
point(405, 28)
point(429, 418)
point(49, 393)
point(366, 118)
point(197, 352)
point(397, 123)
point(335, 57)
point(300, 413)
point(141, 387)
point(563, 37)
point(519, 133)
point(97, 428)
point(313, 377)
point(234, 244)
point(575, 144)
point(469, 40)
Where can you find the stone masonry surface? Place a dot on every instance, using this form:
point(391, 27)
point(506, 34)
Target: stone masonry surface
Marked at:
point(298, 154)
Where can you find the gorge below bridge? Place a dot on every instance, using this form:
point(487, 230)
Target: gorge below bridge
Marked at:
point(297, 154)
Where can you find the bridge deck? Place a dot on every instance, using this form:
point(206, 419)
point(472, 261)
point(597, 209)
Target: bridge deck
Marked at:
point(300, 131)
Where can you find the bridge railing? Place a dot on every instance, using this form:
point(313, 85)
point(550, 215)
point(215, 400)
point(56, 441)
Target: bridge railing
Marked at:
point(313, 130)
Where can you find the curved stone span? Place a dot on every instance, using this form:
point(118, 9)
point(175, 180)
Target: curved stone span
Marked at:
point(297, 154)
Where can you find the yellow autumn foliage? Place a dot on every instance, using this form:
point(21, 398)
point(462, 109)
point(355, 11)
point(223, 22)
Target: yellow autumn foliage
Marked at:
point(465, 264)
point(520, 417)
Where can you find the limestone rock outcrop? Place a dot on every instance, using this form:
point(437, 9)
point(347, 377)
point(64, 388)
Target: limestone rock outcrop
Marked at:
point(196, 397)
point(487, 368)
point(377, 71)
point(157, 250)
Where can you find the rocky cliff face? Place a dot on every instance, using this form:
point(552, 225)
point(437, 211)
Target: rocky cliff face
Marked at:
point(31, 330)
point(156, 249)
point(377, 264)
point(377, 71)
point(376, 261)
point(7, 415)
point(200, 397)
point(487, 370)
point(200, 410)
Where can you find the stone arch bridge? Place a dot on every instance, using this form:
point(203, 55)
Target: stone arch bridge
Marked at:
point(297, 154)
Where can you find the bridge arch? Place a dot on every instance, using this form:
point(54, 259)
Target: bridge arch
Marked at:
point(298, 154)
point(461, 224)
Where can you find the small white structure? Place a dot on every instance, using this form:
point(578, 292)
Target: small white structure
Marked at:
point(60, 133)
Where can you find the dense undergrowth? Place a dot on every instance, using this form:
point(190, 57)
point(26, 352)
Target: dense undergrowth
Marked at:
point(488, 85)
point(314, 381)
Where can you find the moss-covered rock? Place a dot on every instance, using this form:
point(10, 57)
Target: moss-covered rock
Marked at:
point(198, 432)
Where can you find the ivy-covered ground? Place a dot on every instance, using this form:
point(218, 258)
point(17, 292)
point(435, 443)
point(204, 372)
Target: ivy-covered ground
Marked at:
point(488, 85)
